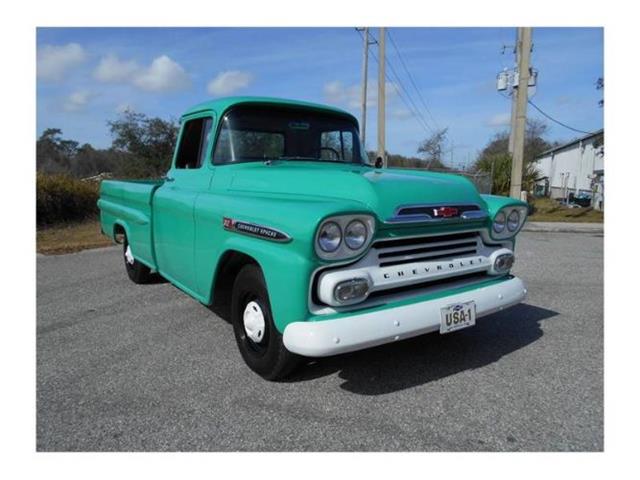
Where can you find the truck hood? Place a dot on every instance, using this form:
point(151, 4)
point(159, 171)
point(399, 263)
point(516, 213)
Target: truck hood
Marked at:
point(380, 191)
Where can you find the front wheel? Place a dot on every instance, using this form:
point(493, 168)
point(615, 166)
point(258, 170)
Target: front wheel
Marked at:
point(137, 272)
point(260, 343)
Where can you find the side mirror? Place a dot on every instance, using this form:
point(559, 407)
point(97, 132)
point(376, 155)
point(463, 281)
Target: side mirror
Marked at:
point(379, 162)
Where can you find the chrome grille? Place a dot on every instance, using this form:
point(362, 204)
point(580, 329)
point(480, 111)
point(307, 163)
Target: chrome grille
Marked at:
point(407, 250)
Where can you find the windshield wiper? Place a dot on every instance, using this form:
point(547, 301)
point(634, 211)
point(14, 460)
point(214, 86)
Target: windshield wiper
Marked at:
point(313, 159)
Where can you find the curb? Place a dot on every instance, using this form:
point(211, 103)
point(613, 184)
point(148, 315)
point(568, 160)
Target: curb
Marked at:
point(564, 227)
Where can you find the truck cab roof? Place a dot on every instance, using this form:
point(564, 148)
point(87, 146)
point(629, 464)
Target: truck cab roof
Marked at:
point(220, 105)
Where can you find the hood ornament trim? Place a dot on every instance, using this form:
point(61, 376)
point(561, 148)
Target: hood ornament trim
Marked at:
point(437, 213)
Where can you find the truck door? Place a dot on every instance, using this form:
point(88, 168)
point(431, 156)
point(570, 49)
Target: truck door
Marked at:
point(173, 203)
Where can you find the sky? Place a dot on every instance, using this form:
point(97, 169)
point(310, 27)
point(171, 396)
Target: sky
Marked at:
point(89, 76)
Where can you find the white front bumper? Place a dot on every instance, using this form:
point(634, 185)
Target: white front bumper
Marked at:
point(362, 330)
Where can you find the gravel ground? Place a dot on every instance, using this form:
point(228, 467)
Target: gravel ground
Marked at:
point(125, 367)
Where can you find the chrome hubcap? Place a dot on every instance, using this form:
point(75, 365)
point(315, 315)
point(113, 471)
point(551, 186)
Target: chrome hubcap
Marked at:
point(129, 256)
point(254, 322)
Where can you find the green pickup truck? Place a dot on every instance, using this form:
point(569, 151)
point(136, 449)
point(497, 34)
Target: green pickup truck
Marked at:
point(271, 211)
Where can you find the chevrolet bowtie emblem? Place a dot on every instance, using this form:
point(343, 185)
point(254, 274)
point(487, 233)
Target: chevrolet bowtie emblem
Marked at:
point(445, 212)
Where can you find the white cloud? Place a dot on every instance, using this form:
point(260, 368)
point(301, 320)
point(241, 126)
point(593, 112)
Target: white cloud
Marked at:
point(226, 83)
point(112, 70)
point(163, 75)
point(499, 120)
point(401, 113)
point(53, 61)
point(334, 91)
point(77, 101)
point(351, 96)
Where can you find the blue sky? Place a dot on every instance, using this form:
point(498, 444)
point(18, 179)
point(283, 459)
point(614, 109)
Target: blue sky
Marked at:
point(86, 76)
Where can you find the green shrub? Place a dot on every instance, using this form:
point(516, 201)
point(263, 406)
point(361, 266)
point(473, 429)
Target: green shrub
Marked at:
point(62, 198)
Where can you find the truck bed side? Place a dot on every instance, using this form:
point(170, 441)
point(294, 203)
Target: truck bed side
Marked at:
point(126, 205)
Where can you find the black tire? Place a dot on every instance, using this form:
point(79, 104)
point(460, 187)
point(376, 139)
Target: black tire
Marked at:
point(268, 357)
point(138, 272)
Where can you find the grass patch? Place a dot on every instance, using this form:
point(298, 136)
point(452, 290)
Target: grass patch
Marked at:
point(70, 238)
point(547, 210)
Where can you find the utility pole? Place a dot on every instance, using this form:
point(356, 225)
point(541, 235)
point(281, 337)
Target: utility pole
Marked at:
point(365, 71)
point(381, 98)
point(451, 155)
point(522, 94)
point(512, 130)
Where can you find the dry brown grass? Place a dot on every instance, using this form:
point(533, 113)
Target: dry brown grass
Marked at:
point(547, 210)
point(70, 238)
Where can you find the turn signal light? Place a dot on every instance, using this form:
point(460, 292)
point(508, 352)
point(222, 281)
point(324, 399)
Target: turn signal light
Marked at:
point(503, 263)
point(351, 291)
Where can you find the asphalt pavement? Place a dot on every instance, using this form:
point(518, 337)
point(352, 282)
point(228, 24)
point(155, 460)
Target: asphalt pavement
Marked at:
point(123, 367)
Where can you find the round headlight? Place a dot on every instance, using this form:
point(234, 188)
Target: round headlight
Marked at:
point(330, 237)
point(355, 235)
point(499, 222)
point(513, 220)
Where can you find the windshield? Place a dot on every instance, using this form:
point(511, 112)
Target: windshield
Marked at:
point(259, 133)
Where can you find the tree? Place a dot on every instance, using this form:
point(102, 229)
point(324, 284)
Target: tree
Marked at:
point(150, 142)
point(600, 86)
point(432, 149)
point(53, 153)
point(395, 160)
point(496, 159)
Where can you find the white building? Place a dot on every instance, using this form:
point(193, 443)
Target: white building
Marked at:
point(573, 168)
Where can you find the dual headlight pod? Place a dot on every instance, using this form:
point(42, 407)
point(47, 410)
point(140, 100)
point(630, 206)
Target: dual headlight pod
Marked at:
point(508, 221)
point(344, 236)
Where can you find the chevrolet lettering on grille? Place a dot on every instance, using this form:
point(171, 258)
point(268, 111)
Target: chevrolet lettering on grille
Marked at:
point(426, 270)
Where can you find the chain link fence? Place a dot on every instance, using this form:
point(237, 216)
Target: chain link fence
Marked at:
point(482, 181)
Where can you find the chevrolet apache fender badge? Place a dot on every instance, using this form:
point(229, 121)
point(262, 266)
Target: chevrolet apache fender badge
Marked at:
point(255, 230)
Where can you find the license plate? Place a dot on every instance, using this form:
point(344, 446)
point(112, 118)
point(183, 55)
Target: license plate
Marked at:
point(457, 316)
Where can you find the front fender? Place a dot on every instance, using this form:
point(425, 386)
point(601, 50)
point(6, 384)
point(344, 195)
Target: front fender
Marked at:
point(496, 202)
point(286, 272)
point(287, 267)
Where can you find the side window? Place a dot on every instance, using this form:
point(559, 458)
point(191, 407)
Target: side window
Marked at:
point(336, 145)
point(194, 143)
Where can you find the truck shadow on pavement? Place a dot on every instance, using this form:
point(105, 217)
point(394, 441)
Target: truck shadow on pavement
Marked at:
point(417, 361)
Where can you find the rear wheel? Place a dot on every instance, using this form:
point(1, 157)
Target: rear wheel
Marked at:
point(259, 341)
point(138, 272)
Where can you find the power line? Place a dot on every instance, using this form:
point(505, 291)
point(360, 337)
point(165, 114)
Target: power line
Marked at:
point(420, 120)
point(404, 65)
point(559, 122)
point(406, 92)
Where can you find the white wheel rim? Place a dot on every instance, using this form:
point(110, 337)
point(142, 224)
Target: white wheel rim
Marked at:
point(129, 256)
point(254, 324)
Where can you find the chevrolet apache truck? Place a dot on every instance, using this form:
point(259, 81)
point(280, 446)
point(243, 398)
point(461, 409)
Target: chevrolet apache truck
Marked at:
point(271, 210)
